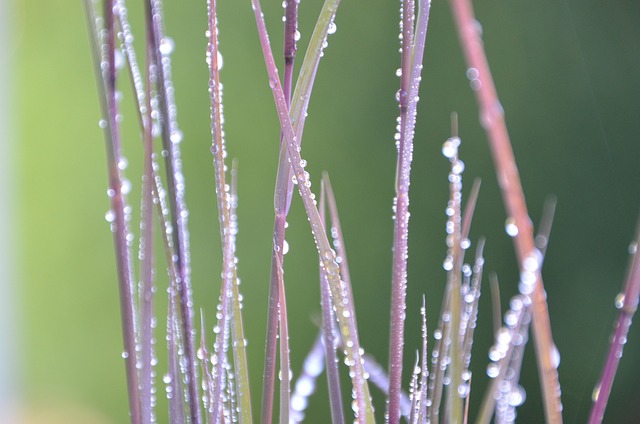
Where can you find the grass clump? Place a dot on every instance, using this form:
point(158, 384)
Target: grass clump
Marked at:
point(213, 386)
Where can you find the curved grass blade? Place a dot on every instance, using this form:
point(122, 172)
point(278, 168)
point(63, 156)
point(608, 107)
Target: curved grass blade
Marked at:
point(362, 405)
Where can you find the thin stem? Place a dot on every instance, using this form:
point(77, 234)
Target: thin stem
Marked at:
point(627, 303)
point(492, 118)
point(363, 408)
point(103, 48)
point(413, 42)
point(328, 316)
point(146, 257)
point(171, 137)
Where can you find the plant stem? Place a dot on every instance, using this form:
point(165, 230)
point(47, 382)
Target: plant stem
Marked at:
point(492, 119)
point(413, 42)
point(627, 302)
point(363, 408)
point(103, 48)
point(175, 183)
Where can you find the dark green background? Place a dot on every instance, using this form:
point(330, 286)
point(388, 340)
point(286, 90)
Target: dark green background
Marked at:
point(568, 76)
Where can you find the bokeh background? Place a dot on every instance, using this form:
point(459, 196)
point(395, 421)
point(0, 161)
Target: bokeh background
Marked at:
point(568, 76)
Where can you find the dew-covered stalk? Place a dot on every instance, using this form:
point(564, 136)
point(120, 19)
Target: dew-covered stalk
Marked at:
point(282, 200)
point(492, 119)
point(147, 284)
point(328, 316)
point(413, 42)
point(230, 315)
point(627, 303)
point(362, 406)
point(162, 47)
point(103, 47)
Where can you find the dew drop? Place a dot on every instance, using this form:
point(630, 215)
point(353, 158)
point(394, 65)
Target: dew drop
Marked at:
point(619, 302)
point(399, 72)
point(510, 227)
point(633, 248)
point(493, 370)
point(285, 247)
point(296, 35)
point(110, 216)
point(125, 354)
point(102, 123)
point(517, 396)
point(450, 147)
point(166, 46)
point(332, 28)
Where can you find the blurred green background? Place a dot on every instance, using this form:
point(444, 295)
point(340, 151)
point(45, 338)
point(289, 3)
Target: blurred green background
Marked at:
point(568, 76)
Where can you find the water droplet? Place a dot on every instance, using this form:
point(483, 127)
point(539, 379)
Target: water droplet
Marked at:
point(399, 72)
point(472, 73)
point(110, 216)
point(166, 379)
point(126, 186)
point(332, 28)
point(125, 354)
point(102, 123)
point(555, 356)
point(633, 248)
point(510, 227)
point(122, 164)
point(517, 396)
point(619, 302)
point(176, 136)
point(493, 370)
point(450, 147)
point(166, 46)
point(285, 247)
point(296, 35)
point(596, 393)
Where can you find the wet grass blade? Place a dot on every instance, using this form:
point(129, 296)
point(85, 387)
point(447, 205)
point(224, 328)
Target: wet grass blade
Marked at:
point(492, 118)
point(328, 316)
point(362, 407)
point(103, 48)
point(413, 42)
point(229, 317)
point(627, 303)
point(162, 47)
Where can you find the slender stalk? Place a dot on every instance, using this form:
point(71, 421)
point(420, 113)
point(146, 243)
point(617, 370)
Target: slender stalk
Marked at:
point(103, 48)
point(237, 327)
point(328, 316)
point(282, 200)
point(492, 118)
point(172, 378)
point(627, 303)
point(230, 312)
point(171, 137)
point(147, 288)
point(363, 408)
point(413, 42)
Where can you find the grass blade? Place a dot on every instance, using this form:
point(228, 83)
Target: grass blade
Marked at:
point(493, 121)
point(328, 317)
point(413, 42)
point(627, 303)
point(230, 318)
point(363, 408)
point(162, 47)
point(103, 48)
